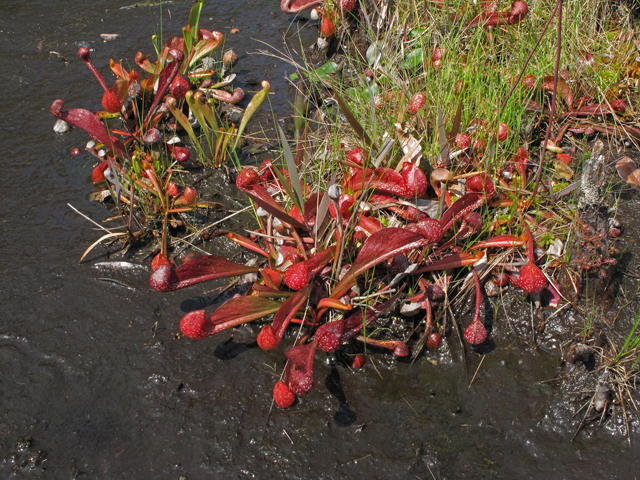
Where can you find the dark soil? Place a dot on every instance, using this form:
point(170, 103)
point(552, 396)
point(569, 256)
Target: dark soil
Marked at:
point(96, 383)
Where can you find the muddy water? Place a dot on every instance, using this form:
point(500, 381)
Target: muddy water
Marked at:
point(95, 384)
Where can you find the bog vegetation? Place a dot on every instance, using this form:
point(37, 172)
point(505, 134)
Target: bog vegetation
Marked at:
point(435, 156)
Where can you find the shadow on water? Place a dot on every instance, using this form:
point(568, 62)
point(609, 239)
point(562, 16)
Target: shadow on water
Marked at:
point(344, 416)
point(95, 383)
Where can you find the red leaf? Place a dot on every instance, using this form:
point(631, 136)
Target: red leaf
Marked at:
point(299, 371)
point(301, 356)
point(245, 242)
point(167, 75)
point(282, 395)
point(118, 70)
point(563, 89)
point(200, 269)
point(234, 312)
point(239, 310)
point(257, 194)
point(619, 129)
point(142, 61)
point(379, 247)
point(354, 324)
point(410, 184)
point(288, 310)
point(329, 335)
point(87, 121)
point(460, 208)
point(455, 260)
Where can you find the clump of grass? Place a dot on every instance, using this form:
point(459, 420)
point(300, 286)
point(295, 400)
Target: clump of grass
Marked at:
point(615, 369)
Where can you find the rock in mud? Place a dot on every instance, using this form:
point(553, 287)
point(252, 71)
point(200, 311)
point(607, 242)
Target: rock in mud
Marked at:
point(231, 112)
point(582, 353)
point(61, 127)
point(604, 392)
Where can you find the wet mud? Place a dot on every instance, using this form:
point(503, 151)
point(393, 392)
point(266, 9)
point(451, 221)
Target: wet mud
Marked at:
point(96, 383)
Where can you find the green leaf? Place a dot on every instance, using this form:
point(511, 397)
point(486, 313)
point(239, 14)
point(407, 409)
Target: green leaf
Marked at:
point(187, 39)
point(156, 44)
point(197, 108)
point(254, 104)
point(324, 71)
point(287, 188)
point(413, 59)
point(300, 107)
point(319, 73)
point(202, 111)
point(184, 121)
point(194, 21)
point(203, 47)
point(293, 171)
point(372, 53)
point(417, 32)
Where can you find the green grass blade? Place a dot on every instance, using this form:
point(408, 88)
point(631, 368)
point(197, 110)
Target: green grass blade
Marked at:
point(630, 342)
point(184, 121)
point(286, 187)
point(293, 170)
point(456, 122)
point(442, 138)
point(353, 122)
point(194, 21)
point(300, 107)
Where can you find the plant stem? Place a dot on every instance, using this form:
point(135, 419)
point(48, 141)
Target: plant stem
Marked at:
point(554, 100)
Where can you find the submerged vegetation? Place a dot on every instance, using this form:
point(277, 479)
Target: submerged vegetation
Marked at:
point(439, 153)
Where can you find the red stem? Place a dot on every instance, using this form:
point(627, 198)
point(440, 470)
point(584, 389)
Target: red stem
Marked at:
point(429, 316)
point(530, 256)
point(526, 63)
point(553, 106)
point(527, 233)
point(476, 317)
point(83, 54)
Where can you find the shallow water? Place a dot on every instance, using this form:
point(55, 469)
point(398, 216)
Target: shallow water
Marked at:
point(92, 370)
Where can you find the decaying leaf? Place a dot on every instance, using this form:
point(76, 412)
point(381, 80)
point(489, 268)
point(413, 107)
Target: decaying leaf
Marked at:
point(563, 89)
point(100, 196)
point(410, 146)
point(563, 170)
point(628, 171)
point(99, 241)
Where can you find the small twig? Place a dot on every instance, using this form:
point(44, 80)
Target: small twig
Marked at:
point(287, 435)
point(374, 366)
point(117, 282)
point(477, 369)
point(374, 295)
point(414, 410)
point(87, 218)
